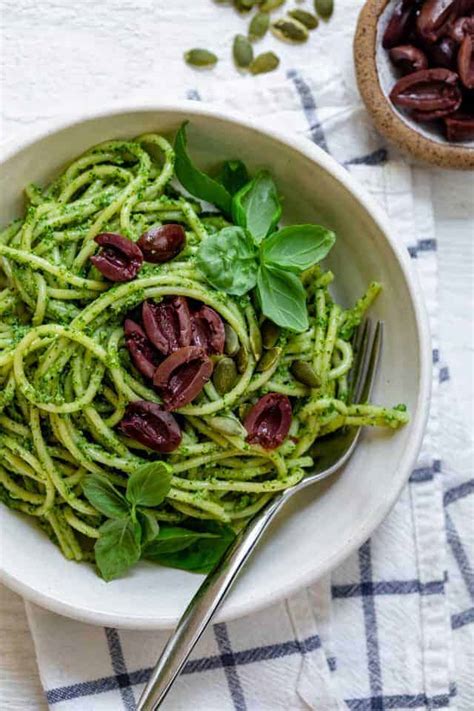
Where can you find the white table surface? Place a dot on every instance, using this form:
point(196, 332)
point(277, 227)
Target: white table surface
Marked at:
point(44, 70)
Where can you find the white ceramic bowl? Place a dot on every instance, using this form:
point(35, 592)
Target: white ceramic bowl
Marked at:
point(323, 525)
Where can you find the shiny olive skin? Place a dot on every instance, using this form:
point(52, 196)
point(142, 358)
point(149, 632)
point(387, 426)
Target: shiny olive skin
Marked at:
point(182, 375)
point(466, 61)
point(268, 421)
point(145, 358)
point(459, 126)
point(208, 331)
point(150, 425)
point(161, 244)
point(168, 324)
point(429, 90)
point(119, 259)
point(408, 58)
point(399, 25)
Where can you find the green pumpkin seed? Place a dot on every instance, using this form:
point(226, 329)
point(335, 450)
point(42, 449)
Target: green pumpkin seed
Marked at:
point(266, 62)
point(244, 5)
point(324, 8)
point(305, 373)
point(225, 375)
point(259, 25)
point(227, 425)
point(242, 359)
point(200, 58)
point(268, 360)
point(269, 5)
point(270, 333)
point(255, 338)
point(232, 343)
point(289, 30)
point(306, 18)
point(242, 51)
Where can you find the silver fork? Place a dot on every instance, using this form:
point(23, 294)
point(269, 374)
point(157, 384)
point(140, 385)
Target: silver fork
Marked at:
point(217, 584)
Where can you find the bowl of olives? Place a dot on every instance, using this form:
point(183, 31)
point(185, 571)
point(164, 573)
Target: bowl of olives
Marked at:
point(415, 70)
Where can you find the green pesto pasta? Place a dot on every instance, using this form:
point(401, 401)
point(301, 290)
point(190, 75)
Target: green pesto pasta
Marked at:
point(66, 376)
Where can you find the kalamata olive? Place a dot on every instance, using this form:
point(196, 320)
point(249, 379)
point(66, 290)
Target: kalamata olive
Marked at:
point(466, 61)
point(119, 259)
point(408, 58)
point(182, 376)
point(428, 90)
point(160, 244)
point(144, 356)
point(208, 330)
point(399, 25)
point(460, 126)
point(269, 420)
point(168, 324)
point(443, 53)
point(434, 17)
point(149, 424)
point(461, 27)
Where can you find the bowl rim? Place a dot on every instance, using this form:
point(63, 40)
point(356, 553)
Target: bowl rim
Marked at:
point(384, 116)
point(366, 526)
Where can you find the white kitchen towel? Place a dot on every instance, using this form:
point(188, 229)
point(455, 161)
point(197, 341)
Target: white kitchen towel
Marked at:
point(390, 628)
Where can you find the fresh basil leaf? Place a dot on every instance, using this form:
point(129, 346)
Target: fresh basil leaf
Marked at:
point(104, 497)
point(172, 539)
point(233, 175)
point(194, 180)
point(228, 260)
point(257, 206)
point(298, 247)
point(118, 547)
point(201, 555)
point(282, 298)
point(149, 484)
point(149, 526)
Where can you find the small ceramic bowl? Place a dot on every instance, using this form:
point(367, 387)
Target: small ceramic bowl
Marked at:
point(376, 77)
point(323, 524)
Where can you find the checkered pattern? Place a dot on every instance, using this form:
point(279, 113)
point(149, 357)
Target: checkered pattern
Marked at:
point(391, 628)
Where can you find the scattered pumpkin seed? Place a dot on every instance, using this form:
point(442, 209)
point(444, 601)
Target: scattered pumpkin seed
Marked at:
point(289, 30)
point(227, 425)
point(200, 58)
point(324, 8)
point(268, 360)
point(225, 375)
point(305, 373)
point(258, 26)
point(270, 333)
point(269, 5)
point(306, 18)
point(242, 51)
point(242, 359)
point(244, 5)
point(232, 343)
point(263, 63)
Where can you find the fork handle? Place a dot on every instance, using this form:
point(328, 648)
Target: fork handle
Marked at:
point(204, 604)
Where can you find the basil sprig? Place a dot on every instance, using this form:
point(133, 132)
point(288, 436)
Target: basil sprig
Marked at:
point(128, 527)
point(254, 253)
point(231, 262)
